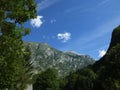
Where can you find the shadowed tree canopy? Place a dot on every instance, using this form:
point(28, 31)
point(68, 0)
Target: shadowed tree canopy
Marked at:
point(47, 80)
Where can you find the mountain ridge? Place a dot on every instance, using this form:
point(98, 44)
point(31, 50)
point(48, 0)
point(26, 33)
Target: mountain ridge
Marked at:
point(44, 56)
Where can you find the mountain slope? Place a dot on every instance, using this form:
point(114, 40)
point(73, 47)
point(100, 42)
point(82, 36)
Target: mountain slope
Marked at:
point(44, 56)
point(115, 40)
point(108, 67)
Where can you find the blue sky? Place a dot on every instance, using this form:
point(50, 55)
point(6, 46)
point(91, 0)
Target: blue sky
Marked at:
point(82, 26)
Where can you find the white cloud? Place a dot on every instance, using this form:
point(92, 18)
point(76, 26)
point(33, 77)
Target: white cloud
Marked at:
point(37, 22)
point(64, 36)
point(102, 53)
point(45, 4)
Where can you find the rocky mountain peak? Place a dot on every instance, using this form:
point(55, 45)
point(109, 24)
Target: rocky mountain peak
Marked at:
point(45, 56)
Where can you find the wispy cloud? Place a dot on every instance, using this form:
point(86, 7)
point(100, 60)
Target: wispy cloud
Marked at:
point(100, 31)
point(37, 22)
point(103, 2)
point(90, 8)
point(64, 36)
point(48, 37)
point(102, 53)
point(52, 21)
point(45, 4)
point(86, 41)
point(79, 9)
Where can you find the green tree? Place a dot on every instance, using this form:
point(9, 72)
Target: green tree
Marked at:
point(13, 13)
point(81, 80)
point(86, 79)
point(71, 81)
point(109, 73)
point(19, 11)
point(47, 80)
point(27, 74)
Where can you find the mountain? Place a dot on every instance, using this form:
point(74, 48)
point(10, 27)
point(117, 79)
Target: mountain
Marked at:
point(103, 74)
point(44, 57)
point(107, 68)
point(115, 40)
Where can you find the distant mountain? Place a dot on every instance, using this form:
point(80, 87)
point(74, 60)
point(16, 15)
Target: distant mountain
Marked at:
point(44, 57)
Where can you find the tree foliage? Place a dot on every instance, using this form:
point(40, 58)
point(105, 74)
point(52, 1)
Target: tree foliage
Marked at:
point(110, 71)
point(19, 11)
point(13, 13)
point(27, 74)
point(47, 80)
point(81, 80)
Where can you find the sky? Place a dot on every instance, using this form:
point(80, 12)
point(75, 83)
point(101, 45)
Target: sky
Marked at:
point(81, 26)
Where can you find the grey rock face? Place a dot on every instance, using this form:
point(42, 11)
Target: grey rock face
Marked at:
point(44, 57)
